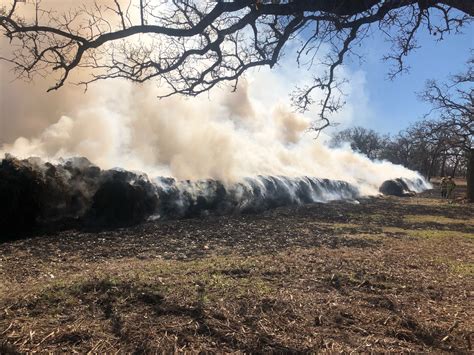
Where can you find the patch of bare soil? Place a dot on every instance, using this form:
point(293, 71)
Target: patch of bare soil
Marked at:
point(387, 274)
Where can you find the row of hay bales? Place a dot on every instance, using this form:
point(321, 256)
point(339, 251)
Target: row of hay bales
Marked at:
point(38, 195)
point(34, 194)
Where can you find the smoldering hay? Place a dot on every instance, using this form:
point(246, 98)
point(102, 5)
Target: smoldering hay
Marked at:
point(147, 158)
point(176, 158)
point(227, 137)
point(77, 193)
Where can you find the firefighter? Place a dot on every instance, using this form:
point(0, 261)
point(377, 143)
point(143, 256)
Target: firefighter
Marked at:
point(451, 185)
point(443, 187)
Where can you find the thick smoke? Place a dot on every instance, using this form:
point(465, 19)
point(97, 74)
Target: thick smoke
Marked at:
point(225, 152)
point(227, 137)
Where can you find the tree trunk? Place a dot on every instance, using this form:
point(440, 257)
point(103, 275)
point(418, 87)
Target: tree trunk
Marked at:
point(431, 166)
point(470, 175)
point(456, 164)
point(443, 166)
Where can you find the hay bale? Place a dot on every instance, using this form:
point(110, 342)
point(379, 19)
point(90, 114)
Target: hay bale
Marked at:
point(118, 203)
point(21, 191)
point(395, 187)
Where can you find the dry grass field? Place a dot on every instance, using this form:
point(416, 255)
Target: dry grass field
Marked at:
point(388, 274)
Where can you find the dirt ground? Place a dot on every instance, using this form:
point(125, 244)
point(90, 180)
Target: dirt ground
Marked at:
point(387, 274)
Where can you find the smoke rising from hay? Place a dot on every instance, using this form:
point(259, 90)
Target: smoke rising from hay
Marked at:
point(224, 136)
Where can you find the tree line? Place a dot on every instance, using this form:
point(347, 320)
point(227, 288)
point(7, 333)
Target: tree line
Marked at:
point(421, 147)
point(442, 144)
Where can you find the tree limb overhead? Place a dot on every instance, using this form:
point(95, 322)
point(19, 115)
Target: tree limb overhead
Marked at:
point(191, 46)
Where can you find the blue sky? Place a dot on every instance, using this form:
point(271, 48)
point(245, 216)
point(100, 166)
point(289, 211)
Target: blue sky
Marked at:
point(394, 104)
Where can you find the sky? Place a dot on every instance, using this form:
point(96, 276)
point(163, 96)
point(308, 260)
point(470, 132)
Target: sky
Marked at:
point(394, 103)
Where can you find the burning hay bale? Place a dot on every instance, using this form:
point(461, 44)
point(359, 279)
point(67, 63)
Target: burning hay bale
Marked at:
point(44, 194)
point(396, 187)
point(187, 199)
point(251, 195)
point(118, 203)
point(21, 196)
point(77, 193)
point(41, 194)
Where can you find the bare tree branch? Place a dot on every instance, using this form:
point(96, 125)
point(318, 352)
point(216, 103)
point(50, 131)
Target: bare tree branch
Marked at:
point(192, 46)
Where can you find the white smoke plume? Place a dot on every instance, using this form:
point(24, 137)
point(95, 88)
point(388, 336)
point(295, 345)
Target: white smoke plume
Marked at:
point(224, 136)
